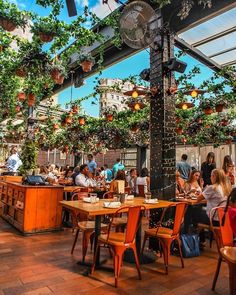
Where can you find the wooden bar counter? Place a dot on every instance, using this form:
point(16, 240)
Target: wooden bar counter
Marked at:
point(31, 209)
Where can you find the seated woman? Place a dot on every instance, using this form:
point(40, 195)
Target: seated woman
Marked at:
point(114, 184)
point(144, 180)
point(214, 194)
point(194, 184)
point(180, 183)
point(131, 180)
point(231, 208)
point(66, 179)
point(228, 167)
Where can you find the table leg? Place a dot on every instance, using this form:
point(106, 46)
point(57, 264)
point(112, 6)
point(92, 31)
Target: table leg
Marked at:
point(232, 278)
point(97, 233)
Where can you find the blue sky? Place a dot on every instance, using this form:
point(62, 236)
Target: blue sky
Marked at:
point(131, 66)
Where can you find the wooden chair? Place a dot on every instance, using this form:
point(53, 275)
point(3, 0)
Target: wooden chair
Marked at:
point(118, 242)
point(223, 235)
point(165, 236)
point(81, 223)
point(229, 255)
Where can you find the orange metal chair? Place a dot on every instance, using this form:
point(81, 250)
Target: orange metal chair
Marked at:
point(118, 242)
point(223, 235)
point(108, 195)
point(166, 236)
point(128, 190)
point(229, 255)
point(81, 223)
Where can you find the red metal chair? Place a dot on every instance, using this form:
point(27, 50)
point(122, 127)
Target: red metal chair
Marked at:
point(118, 242)
point(223, 235)
point(108, 195)
point(81, 223)
point(166, 235)
point(141, 190)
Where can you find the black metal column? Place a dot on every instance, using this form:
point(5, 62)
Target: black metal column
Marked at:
point(162, 120)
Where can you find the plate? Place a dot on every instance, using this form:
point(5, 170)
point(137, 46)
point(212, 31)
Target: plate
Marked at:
point(129, 198)
point(112, 205)
point(151, 201)
point(88, 200)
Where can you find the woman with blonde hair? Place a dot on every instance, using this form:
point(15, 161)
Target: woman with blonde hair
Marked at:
point(215, 195)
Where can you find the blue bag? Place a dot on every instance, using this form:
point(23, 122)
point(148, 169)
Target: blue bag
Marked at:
point(190, 245)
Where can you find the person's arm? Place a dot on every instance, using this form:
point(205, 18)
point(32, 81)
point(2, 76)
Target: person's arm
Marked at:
point(148, 183)
point(81, 181)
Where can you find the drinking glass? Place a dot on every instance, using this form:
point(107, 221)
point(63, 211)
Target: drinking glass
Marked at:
point(93, 197)
point(148, 196)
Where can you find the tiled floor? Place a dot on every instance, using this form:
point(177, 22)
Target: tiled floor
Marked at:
point(42, 264)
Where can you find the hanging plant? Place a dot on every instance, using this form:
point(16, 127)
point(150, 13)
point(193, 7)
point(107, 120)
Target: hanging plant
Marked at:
point(21, 72)
point(21, 96)
point(58, 72)
point(207, 106)
point(109, 113)
point(11, 17)
point(74, 109)
point(29, 156)
point(86, 61)
point(81, 120)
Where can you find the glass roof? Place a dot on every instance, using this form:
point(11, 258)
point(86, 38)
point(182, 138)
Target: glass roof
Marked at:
point(216, 38)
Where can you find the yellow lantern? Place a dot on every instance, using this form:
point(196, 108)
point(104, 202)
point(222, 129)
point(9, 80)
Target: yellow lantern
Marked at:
point(137, 107)
point(194, 93)
point(184, 106)
point(135, 94)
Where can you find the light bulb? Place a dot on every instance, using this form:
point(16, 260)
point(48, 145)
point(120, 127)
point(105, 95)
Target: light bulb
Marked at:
point(137, 107)
point(194, 93)
point(184, 106)
point(135, 94)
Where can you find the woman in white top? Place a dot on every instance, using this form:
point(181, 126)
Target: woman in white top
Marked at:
point(144, 180)
point(214, 194)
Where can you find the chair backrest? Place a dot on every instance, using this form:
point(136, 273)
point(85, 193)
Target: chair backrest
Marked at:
point(132, 223)
point(141, 190)
point(179, 216)
point(226, 234)
point(79, 196)
point(128, 190)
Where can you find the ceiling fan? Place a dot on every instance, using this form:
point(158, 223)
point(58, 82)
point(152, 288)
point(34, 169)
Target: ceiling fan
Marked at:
point(71, 7)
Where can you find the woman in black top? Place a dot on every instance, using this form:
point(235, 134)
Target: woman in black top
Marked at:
point(207, 167)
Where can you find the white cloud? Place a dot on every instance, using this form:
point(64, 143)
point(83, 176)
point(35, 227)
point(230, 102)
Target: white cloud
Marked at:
point(102, 10)
point(82, 3)
point(18, 3)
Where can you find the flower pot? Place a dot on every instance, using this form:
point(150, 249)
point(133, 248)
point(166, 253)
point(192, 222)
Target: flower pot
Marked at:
point(81, 121)
point(31, 99)
point(179, 130)
point(68, 120)
point(17, 109)
point(59, 80)
point(7, 24)
point(74, 109)
point(208, 111)
point(55, 126)
point(20, 72)
point(224, 122)
point(21, 96)
point(44, 37)
point(109, 117)
point(86, 65)
point(219, 108)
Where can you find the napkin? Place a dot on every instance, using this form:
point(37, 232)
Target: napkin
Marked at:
point(112, 204)
point(151, 201)
point(130, 197)
point(88, 199)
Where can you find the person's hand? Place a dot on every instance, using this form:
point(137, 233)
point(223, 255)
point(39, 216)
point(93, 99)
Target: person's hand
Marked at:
point(201, 182)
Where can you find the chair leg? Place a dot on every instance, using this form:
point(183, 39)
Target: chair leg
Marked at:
point(91, 241)
point(166, 252)
point(211, 238)
point(180, 252)
point(75, 240)
point(137, 261)
point(216, 273)
point(118, 254)
point(144, 242)
point(95, 258)
point(86, 237)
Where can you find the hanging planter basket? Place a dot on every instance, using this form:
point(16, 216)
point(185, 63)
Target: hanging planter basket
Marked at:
point(86, 65)
point(74, 109)
point(21, 96)
point(68, 120)
point(55, 126)
point(57, 77)
point(179, 130)
point(109, 117)
point(46, 37)
point(31, 100)
point(81, 121)
point(7, 24)
point(17, 108)
point(20, 72)
point(208, 111)
point(219, 108)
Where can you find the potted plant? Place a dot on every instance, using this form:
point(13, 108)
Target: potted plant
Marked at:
point(58, 72)
point(46, 28)
point(11, 16)
point(86, 61)
point(207, 106)
point(31, 99)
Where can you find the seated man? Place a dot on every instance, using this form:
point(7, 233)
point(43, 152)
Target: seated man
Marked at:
point(84, 179)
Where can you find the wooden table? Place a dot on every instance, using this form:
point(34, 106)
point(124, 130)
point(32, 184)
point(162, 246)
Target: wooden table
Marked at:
point(97, 210)
point(229, 254)
point(70, 188)
point(190, 201)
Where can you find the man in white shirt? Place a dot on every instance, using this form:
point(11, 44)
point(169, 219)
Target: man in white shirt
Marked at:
point(84, 179)
point(14, 161)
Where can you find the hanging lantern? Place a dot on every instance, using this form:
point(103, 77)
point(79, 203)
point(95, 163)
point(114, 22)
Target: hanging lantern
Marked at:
point(136, 91)
point(194, 92)
point(184, 105)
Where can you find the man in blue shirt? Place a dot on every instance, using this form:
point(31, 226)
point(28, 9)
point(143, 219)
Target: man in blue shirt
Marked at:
point(118, 166)
point(183, 167)
point(92, 165)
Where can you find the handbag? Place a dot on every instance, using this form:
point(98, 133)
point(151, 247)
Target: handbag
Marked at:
point(190, 245)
